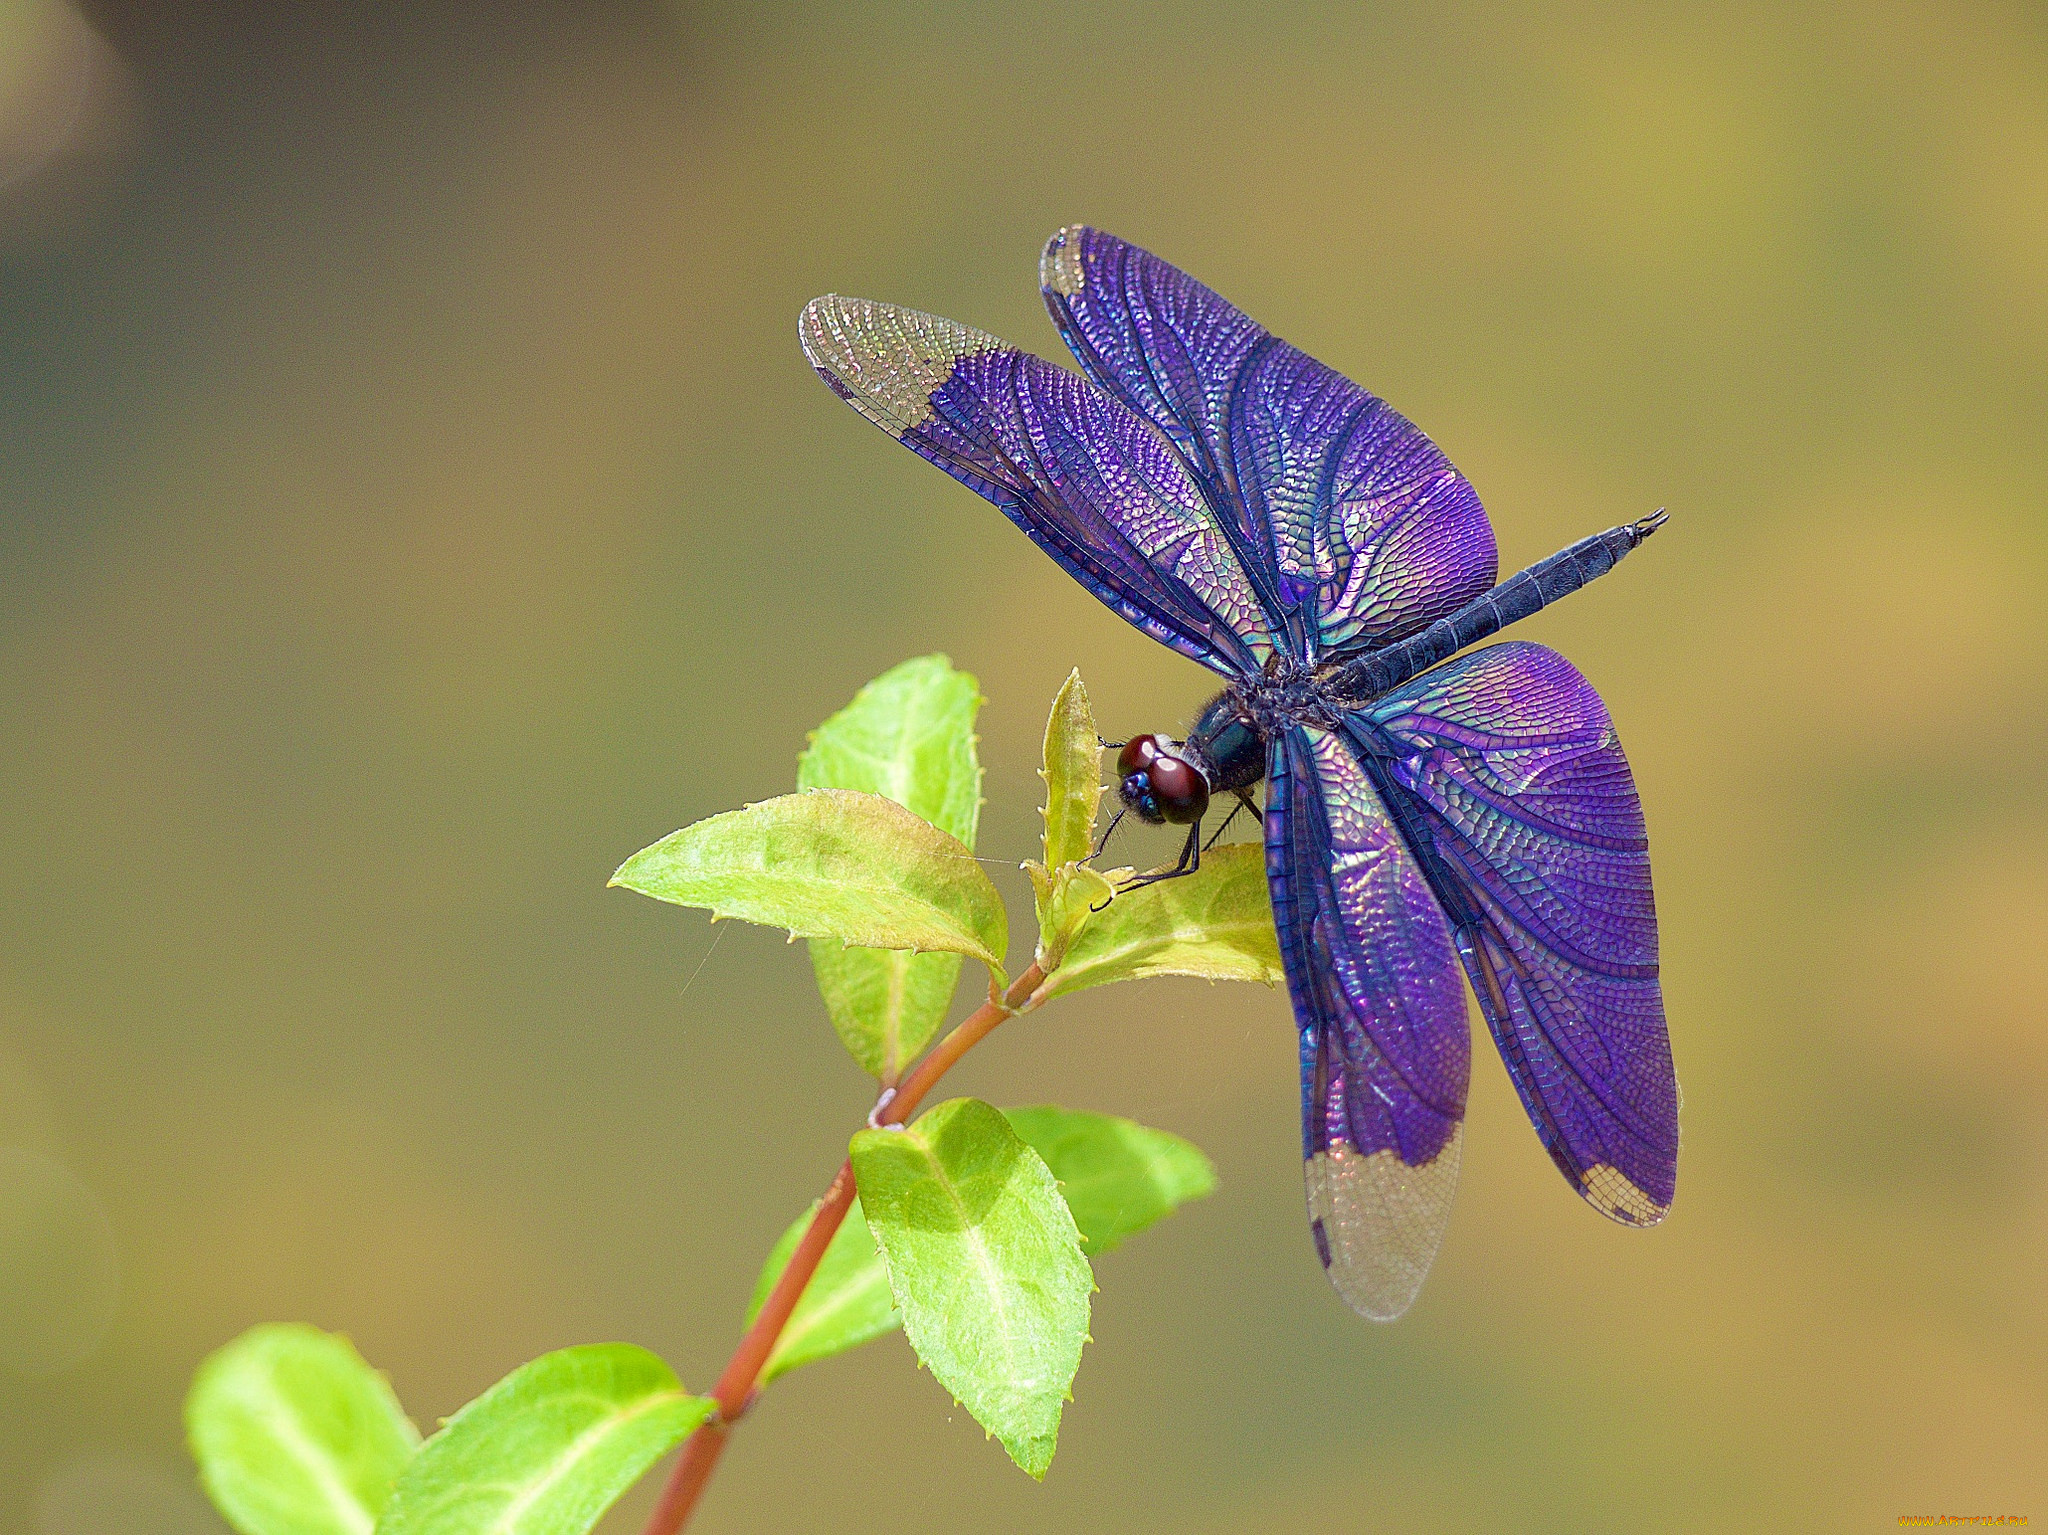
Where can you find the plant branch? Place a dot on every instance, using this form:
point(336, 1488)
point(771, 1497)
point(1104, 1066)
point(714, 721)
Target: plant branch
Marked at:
point(735, 1389)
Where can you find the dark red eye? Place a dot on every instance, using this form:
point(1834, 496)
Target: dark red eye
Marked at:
point(1137, 755)
point(1182, 791)
point(1159, 783)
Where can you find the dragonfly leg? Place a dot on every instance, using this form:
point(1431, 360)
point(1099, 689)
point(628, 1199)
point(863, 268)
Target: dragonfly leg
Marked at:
point(1244, 802)
point(1190, 861)
point(1105, 837)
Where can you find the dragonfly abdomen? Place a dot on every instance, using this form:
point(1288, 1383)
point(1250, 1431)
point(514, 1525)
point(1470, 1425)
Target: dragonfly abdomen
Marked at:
point(1532, 590)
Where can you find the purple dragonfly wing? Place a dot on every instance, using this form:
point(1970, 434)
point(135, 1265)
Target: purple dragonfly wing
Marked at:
point(1351, 516)
point(1385, 1049)
point(1093, 485)
point(1528, 821)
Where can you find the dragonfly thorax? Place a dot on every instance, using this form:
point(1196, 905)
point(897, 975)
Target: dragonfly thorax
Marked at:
point(1162, 780)
point(1287, 693)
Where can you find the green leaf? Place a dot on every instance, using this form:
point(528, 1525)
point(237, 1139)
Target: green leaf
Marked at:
point(548, 1449)
point(847, 1303)
point(1066, 891)
point(295, 1435)
point(1067, 899)
point(830, 863)
point(1072, 774)
point(1216, 923)
point(885, 1004)
point(908, 736)
point(986, 1266)
point(1117, 1176)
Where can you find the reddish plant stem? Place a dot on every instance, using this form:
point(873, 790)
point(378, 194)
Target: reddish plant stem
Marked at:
point(942, 1057)
point(735, 1389)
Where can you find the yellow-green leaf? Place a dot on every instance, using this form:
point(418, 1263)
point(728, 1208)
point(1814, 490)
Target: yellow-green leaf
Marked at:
point(908, 736)
point(1072, 774)
point(1064, 890)
point(295, 1434)
point(1216, 923)
point(830, 863)
point(548, 1449)
point(847, 1303)
point(985, 1263)
point(1117, 1176)
point(1066, 899)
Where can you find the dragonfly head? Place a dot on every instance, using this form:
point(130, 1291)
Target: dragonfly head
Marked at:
point(1160, 783)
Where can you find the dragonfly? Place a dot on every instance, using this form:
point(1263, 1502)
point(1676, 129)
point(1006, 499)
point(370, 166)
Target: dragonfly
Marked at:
point(1429, 807)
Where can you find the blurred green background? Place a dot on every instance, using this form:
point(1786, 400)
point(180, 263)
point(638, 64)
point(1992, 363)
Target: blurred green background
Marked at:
point(415, 501)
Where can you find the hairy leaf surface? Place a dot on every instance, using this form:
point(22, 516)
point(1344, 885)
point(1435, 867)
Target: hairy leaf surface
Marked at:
point(830, 863)
point(1116, 1175)
point(1072, 774)
point(847, 1303)
point(1216, 923)
point(1065, 891)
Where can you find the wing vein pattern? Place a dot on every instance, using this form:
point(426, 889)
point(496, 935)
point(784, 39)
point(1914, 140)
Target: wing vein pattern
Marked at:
point(1092, 484)
point(1527, 822)
point(1385, 1048)
point(1351, 518)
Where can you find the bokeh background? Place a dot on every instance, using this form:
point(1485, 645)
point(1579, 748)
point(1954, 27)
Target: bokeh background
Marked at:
point(412, 500)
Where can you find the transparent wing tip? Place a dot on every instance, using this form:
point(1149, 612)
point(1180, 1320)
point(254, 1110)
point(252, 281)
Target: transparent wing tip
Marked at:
point(885, 360)
point(1377, 1222)
point(1059, 267)
point(1610, 1191)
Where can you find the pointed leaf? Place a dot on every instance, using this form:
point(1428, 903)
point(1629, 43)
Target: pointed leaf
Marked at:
point(829, 863)
point(908, 736)
point(548, 1449)
point(986, 1266)
point(1216, 923)
point(847, 1303)
point(1065, 891)
point(1072, 774)
point(1116, 1175)
point(295, 1434)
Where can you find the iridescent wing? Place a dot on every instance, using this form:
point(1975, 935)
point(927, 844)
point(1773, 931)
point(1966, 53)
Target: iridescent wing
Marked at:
point(1512, 788)
point(1093, 485)
point(1359, 524)
point(1385, 1050)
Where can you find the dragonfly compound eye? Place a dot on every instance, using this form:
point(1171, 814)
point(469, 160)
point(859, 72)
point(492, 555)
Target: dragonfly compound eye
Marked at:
point(1136, 793)
point(1159, 784)
point(1180, 788)
point(1137, 754)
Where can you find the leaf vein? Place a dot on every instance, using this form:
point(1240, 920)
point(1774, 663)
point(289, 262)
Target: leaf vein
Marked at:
point(575, 1452)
